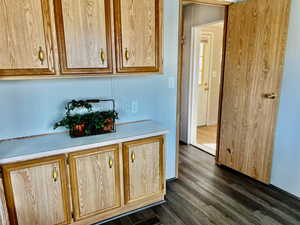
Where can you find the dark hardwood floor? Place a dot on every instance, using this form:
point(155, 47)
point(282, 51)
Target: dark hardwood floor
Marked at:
point(208, 194)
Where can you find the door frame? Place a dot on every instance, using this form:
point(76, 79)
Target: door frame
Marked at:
point(179, 77)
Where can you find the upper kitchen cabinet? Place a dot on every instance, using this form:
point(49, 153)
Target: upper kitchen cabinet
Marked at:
point(84, 36)
point(25, 38)
point(138, 35)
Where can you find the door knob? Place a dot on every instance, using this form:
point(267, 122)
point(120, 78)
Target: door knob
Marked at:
point(206, 89)
point(270, 96)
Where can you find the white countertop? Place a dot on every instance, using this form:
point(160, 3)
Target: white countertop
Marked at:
point(54, 144)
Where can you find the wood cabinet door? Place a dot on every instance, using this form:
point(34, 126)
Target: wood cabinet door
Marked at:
point(256, 40)
point(25, 38)
point(138, 35)
point(84, 36)
point(36, 192)
point(143, 168)
point(95, 181)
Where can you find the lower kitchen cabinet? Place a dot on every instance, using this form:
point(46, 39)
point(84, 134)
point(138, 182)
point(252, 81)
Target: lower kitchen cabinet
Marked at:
point(84, 187)
point(36, 192)
point(95, 181)
point(143, 169)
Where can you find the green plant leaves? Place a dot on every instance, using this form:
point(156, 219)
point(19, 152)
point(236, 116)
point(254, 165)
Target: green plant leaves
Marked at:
point(91, 122)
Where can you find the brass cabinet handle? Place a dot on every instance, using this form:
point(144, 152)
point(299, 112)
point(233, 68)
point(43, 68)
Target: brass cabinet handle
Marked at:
point(110, 162)
point(102, 56)
point(270, 96)
point(41, 56)
point(132, 157)
point(126, 54)
point(54, 174)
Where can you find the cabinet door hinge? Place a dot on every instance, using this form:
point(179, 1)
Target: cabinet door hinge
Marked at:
point(73, 215)
point(68, 160)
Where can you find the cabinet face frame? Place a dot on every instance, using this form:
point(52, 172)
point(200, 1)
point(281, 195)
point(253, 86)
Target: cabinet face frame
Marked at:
point(74, 179)
point(4, 220)
point(120, 68)
point(49, 49)
point(7, 169)
point(126, 161)
point(62, 50)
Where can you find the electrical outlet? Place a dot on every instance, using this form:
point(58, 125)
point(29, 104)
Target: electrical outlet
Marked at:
point(127, 108)
point(134, 107)
point(171, 82)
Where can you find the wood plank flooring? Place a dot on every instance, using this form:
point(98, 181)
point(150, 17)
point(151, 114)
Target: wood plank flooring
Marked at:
point(207, 194)
point(207, 135)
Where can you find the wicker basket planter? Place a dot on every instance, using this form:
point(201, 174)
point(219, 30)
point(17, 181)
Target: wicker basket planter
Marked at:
point(90, 123)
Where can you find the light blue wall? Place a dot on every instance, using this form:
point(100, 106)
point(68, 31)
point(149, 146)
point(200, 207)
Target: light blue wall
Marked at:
point(286, 162)
point(32, 107)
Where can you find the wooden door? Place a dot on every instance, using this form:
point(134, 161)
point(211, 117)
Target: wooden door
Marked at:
point(36, 192)
point(143, 168)
point(25, 38)
point(95, 181)
point(138, 35)
point(84, 36)
point(256, 40)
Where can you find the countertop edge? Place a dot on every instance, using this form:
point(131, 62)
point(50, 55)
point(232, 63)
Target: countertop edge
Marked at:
point(78, 148)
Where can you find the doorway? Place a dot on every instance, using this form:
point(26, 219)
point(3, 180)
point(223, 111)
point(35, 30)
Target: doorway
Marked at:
point(203, 27)
point(208, 45)
point(250, 81)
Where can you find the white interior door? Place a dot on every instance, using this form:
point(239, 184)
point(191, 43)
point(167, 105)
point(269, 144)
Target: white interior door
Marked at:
point(203, 71)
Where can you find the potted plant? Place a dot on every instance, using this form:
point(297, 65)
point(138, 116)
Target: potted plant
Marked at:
point(89, 123)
